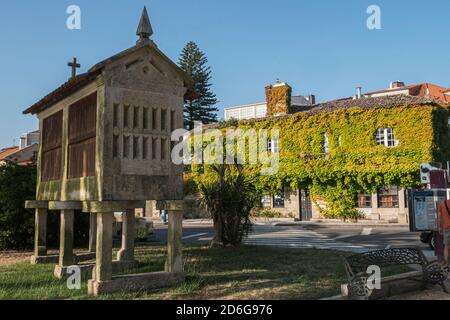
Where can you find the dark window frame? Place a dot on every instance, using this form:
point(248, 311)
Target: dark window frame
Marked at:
point(279, 199)
point(388, 197)
point(364, 201)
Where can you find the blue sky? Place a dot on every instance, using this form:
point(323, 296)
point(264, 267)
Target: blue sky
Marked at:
point(321, 47)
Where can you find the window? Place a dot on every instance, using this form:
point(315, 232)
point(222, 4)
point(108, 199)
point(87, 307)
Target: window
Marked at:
point(273, 145)
point(247, 113)
point(385, 137)
point(388, 197)
point(234, 114)
point(265, 201)
point(261, 111)
point(326, 144)
point(278, 199)
point(364, 201)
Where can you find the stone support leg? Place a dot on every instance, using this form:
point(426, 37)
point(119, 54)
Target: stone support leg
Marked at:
point(40, 237)
point(126, 253)
point(66, 256)
point(174, 261)
point(92, 232)
point(103, 264)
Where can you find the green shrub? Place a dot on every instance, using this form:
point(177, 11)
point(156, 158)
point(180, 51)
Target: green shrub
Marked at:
point(17, 184)
point(267, 213)
point(229, 197)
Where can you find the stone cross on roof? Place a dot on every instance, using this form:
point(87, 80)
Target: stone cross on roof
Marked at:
point(144, 30)
point(75, 65)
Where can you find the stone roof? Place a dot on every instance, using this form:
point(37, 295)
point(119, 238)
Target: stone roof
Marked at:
point(379, 102)
point(71, 86)
point(82, 80)
point(364, 103)
point(189, 82)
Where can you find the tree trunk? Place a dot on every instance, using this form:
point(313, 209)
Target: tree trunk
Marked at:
point(218, 227)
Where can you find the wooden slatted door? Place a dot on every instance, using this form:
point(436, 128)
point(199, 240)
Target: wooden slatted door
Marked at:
point(51, 147)
point(82, 136)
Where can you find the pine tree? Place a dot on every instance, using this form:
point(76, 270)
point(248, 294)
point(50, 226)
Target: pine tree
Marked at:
point(194, 62)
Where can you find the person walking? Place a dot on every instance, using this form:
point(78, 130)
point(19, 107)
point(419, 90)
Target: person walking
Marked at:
point(444, 229)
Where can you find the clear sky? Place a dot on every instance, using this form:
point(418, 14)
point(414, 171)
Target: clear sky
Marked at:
point(321, 47)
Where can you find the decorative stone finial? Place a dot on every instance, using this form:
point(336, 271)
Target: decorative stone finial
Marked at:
point(144, 30)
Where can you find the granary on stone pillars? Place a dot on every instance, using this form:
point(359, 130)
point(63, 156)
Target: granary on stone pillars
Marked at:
point(105, 147)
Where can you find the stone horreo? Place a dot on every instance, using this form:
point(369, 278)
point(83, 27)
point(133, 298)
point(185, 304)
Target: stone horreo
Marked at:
point(105, 141)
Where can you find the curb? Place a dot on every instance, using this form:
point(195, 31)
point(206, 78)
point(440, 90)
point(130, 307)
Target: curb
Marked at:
point(343, 224)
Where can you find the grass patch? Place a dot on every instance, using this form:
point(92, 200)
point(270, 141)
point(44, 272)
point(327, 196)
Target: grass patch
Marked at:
point(232, 273)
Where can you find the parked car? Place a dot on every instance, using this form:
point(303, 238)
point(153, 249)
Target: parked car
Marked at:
point(428, 237)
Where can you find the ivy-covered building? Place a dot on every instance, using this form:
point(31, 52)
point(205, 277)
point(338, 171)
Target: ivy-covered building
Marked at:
point(353, 156)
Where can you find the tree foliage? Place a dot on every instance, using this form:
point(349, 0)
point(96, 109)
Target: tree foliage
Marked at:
point(17, 184)
point(195, 63)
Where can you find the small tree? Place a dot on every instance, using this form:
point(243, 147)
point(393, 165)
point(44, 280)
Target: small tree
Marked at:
point(194, 62)
point(229, 198)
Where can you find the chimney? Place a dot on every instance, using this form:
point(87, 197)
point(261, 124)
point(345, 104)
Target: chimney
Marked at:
point(312, 99)
point(396, 85)
point(23, 141)
point(358, 93)
point(278, 99)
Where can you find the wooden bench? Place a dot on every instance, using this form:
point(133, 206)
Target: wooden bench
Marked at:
point(356, 267)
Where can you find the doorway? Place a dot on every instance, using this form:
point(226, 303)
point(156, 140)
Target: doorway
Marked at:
point(305, 205)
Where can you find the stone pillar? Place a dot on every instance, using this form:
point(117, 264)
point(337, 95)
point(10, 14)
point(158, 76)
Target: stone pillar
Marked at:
point(66, 256)
point(174, 261)
point(92, 232)
point(403, 212)
point(375, 215)
point(40, 233)
point(126, 253)
point(103, 263)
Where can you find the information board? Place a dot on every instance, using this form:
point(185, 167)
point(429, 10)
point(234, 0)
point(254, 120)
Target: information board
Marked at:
point(423, 207)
